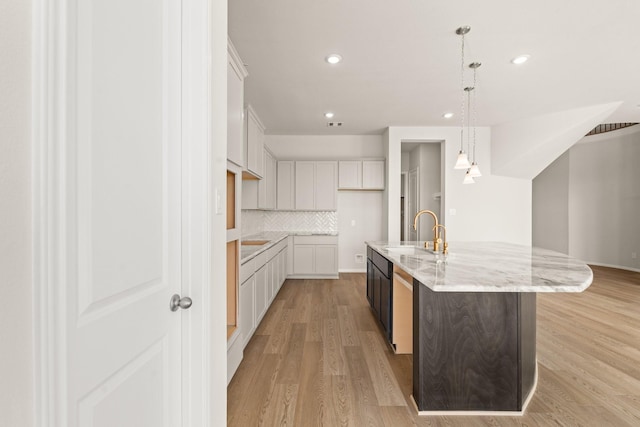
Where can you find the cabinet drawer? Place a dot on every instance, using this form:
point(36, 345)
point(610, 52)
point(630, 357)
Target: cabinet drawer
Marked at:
point(247, 269)
point(260, 260)
point(315, 240)
point(383, 264)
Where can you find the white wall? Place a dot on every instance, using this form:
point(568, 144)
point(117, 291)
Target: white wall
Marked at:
point(359, 220)
point(602, 200)
point(366, 208)
point(551, 206)
point(494, 209)
point(16, 336)
point(311, 147)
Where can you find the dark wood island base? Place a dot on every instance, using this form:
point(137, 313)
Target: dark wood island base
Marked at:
point(473, 352)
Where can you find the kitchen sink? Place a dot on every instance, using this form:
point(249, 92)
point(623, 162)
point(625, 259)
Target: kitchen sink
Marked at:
point(254, 242)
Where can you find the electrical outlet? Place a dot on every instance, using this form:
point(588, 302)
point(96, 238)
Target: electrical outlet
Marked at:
point(353, 222)
point(634, 255)
point(359, 259)
point(452, 212)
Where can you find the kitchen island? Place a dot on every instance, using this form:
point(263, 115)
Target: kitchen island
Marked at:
point(473, 318)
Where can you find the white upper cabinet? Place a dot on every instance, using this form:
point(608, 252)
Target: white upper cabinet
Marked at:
point(305, 185)
point(361, 175)
point(316, 185)
point(254, 144)
point(373, 174)
point(285, 186)
point(261, 193)
point(350, 174)
point(326, 186)
point(236, 74)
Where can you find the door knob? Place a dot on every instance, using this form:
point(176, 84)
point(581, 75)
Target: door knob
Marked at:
point(177, 302)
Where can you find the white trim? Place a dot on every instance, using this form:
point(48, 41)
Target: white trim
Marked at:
point(197, 209)
point(353, 270)
point(236, 61)
point(483, 413)
point(48, 168)
point(619, 267)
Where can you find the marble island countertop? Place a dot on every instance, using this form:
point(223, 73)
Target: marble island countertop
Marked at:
point(488, 267)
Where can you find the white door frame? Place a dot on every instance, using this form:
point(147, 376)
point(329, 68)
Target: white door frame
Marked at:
point(204, 75)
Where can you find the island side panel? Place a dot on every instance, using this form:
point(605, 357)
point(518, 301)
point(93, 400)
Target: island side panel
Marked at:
point(465, 350)
point(527, 344)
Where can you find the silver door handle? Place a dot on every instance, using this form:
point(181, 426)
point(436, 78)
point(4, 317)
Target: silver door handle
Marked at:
point(177, 302)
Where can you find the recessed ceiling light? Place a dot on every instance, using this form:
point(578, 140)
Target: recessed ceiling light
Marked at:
point(521, 59)
point(328, 115)
point(333, 58)
point(447, 115)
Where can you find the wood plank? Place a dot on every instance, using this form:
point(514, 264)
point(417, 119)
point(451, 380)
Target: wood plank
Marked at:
point(384, 382)
point(332, 352)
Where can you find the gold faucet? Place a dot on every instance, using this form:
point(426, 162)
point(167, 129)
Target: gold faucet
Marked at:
point(445, 245)
point(436, 231)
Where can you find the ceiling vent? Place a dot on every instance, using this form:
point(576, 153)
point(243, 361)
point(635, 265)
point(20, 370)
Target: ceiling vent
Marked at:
point(334, 124)
point(608, 127)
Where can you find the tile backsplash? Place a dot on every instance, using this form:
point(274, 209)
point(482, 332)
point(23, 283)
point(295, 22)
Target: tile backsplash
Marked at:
point(254, 222)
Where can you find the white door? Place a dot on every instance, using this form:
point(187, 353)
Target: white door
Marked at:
point(123, 344)
point(413, 202)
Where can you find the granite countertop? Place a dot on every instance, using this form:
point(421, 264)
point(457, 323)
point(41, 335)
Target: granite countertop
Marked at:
point(488, 267)
point(249, 251)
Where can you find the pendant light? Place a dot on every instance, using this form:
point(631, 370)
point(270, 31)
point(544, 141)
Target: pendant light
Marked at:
point(462, 161)
point(468, 179)
point(474, 170)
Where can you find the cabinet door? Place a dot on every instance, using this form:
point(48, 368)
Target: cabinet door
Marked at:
point(304, 185)
point(271, 182)
point(373, 174)
point(376, 291)
point(326, 259)
point(261, 293)
point(284, 184)
point(235, 88)
point(285, 264)
point(303, 259)
point(350, 174)
point(269, 282)
point(370, 282)
point(262, 184)
point(326, 186)
point(247, 309)
point(385, 304)
point(254, 143)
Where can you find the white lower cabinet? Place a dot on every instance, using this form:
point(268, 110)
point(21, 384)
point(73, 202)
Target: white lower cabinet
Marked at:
point(261, 293)
point(247, 309)
point(261, 279)
point(315, 256)
point(304, 259)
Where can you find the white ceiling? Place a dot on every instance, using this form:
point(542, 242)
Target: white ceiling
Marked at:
point(401, 62)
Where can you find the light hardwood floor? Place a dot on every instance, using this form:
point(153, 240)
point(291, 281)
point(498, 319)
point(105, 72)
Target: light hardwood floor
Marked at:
point(319, 359)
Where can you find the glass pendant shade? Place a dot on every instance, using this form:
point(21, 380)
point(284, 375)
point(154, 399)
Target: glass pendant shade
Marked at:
point(463, 161)
point(474, 171)
point(468, 179)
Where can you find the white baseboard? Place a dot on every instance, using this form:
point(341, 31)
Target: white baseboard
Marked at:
point(353, 270)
